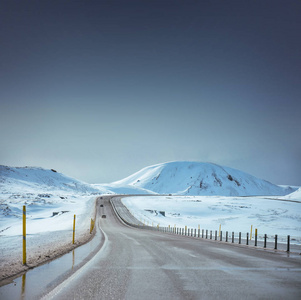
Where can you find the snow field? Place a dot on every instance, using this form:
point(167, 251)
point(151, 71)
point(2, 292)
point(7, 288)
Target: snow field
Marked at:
point(49, 228)
point(234, 214)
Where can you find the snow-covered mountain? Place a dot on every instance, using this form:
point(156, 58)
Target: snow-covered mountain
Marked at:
point(196, 178)
point(30, 179)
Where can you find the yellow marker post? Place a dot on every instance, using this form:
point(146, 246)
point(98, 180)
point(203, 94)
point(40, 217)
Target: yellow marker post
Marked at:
point(92, 225)
point(73, 230)
point(220, 228)
point(24, 235)
point(251, 232)
point(255, 236)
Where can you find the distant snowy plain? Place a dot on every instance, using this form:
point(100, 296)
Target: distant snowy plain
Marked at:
point(234, 214)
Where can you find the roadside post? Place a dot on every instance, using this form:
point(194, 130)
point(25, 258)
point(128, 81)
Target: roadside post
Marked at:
point(92, 225)
point(73, 230)
point(24, 235)
point(251, 232)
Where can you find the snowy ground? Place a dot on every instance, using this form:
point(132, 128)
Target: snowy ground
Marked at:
point(236, 214)
point(49, 222)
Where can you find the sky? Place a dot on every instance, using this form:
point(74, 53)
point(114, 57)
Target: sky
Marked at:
point(100, 89)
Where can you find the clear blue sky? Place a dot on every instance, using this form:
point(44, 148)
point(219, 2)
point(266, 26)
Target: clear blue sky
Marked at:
point(101, 89)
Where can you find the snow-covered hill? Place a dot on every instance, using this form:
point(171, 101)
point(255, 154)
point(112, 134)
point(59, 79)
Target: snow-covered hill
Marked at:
point(294, 196)
point(30, 179)
point(196, 178)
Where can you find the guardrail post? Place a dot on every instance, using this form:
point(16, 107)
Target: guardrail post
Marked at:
point(202, 233)
point(206, 234)
point(199, 233)
point(232, 237)
point(210, 234)
point(255, 236)
point(226, 236)
point(221, 236)
point(24, 235)
point(288, 243)
point(247, 243)
point(265, 241)
point(195, 232)
point(239, 238)
point(215, 235)
point(276, 237)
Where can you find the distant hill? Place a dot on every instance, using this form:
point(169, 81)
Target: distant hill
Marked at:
point(294, 196)
point(196, 178)
point(31, 179)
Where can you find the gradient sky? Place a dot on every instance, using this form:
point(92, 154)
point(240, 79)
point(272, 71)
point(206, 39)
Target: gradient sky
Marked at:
point(100, 89)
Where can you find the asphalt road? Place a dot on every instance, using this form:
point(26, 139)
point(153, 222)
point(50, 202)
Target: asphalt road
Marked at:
point(143, 264)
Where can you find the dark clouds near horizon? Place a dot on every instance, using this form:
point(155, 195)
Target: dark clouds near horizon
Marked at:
point(100, 89)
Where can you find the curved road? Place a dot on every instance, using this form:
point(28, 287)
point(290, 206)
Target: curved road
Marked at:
point(143, 264)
